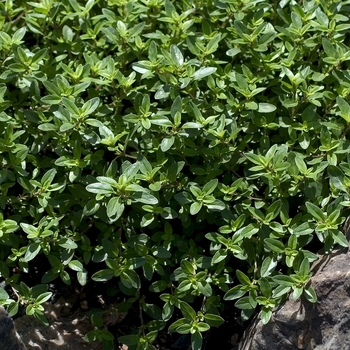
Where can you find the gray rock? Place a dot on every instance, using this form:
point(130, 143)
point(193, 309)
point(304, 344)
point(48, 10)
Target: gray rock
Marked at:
point(9, 339)
point(302, 325)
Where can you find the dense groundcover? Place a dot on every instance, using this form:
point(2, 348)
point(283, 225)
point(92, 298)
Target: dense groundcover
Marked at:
point(188, 156)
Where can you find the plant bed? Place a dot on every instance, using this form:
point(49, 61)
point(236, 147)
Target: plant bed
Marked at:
point(180, 162)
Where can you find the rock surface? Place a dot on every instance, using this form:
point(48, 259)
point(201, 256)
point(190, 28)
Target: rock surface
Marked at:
point(302, 325)
point(9, 339)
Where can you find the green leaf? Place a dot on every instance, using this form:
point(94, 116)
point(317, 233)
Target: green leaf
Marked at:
point(265, 287)
point(195, 208)
point(91, 336)
point(339, 237)
point(115, 208)
point(70, 105)
point(210, 186)
point(344, 109)
point(102, 275)
point(169, 8)
point(304, 269)
point(144, 197)
point(184, 329)
point(167, 311)
point(147, 219)
point(267, 266)
point(130, 340)
point(187, 267)
point(32, 251)
point(205, 288)
point(158, 286)
point(328, 48)
point(191, 125)
point(167, 143)
point(82, 277)
point(273, 210)
point(297, 292)
point(19, 35)
point(301, 165)
point(247, 231)
point(49, 277)
point(90, 106)
point(47, 127)
point(196, 341)
point(76, 265)
point(183, 198)
point(234, 293)
point(256, 159)
point(284, 281)
point(51, 100)
point(176, 106)
point(5, 38)
point(3, 294)
point(66, 126)
point(145, 104)
point(336, 177)
point(220, 255)
point(20, 55)
point(202, 327)
point(266, 108)
point(12, 309)
point(303, 229)
point(244, 304)
point(203, 72)
point(233, 52)
point(43, 297)
point(176, 55)
point(180, 322)
point(107, 180)
point(196, 191)
point(274, 244)
point(130, 279)
point(310, 294)
point(213, 320)
point(315, 211)
point(39, 55)
point(280, 291)
point(187, 311)
point(265, 315)
point(100, 188)
point(136, 30)
point(244, 279)
point(29, 229)
point(48, 177)
point(213, 43)
point(67, 243)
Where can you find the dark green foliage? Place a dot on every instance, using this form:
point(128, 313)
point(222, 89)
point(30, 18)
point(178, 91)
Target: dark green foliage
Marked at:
point(187, 150)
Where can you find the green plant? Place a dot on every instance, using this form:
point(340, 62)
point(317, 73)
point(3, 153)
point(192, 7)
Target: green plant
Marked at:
point(100, 332)
point(194, 151)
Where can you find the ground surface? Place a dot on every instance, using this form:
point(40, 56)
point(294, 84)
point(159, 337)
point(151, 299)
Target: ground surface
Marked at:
point(67, 311)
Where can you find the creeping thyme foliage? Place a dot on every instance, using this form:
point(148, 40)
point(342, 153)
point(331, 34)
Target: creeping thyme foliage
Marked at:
point(187, 152)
